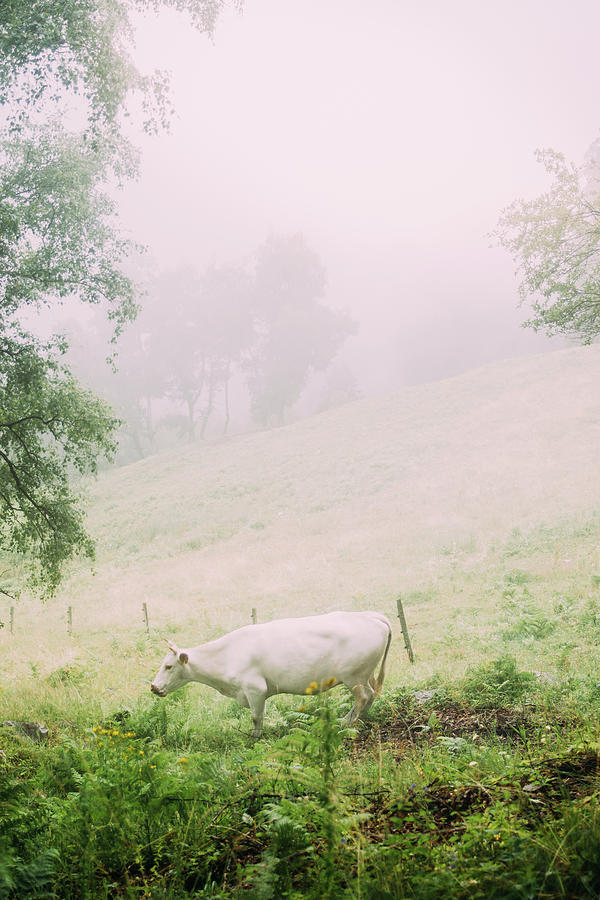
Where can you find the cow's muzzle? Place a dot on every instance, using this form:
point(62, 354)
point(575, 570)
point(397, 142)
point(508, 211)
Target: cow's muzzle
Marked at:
point(157, 691)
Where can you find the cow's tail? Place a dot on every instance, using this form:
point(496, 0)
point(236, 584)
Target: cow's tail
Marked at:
point(377, 683)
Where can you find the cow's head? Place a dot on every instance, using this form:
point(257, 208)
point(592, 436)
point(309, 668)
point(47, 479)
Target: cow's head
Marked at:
point(173, 673)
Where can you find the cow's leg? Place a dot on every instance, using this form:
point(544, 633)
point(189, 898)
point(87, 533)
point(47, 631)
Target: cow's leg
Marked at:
point(256, 695)
point(371, 696)
point(363, 697)
point(364, 694)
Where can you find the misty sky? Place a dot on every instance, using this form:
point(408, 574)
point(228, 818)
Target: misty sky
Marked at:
point(391, 134)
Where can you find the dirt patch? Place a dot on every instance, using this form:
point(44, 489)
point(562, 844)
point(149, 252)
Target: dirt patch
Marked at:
point(559, 778)
point(439, 810)
point(409, 726)
point(442, 810)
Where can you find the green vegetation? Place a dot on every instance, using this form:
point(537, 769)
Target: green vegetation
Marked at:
point(555, 241)
point(66, 75)
point(476, 774)
point(482, 793)
point(480, 781)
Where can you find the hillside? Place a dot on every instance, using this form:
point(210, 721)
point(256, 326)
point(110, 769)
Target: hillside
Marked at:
point(477, 498)
point(358, 502)
point(405, 494)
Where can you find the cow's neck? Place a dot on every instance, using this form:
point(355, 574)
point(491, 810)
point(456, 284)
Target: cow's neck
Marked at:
point(206, 664)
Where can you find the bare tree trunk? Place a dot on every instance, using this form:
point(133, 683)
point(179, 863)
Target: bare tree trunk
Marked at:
point(191, 403)
point(212, 380)
point(137, 443)
point(149, 422)
point(226, 398)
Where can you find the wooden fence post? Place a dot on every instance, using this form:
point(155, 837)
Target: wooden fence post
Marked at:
point(402, 618)
point(254, 616)
point(12, 619)
point(69, 620)
point(145, 612)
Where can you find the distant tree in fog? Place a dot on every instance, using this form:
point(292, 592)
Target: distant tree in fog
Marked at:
point(555, 239)
point(171, 318)
point(295, 332)
point(226, 293)
point(139, 380)
point(339, 386)
point(197, 329)
point(131, 388)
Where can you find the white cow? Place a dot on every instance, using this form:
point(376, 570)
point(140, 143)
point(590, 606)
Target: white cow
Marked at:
point(286, 656)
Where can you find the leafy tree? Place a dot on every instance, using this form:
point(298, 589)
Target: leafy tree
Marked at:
point(555, 240)
point(295, 332)
point(49, 427)
point(57, 234)
point(61, 61)
point(50, 49)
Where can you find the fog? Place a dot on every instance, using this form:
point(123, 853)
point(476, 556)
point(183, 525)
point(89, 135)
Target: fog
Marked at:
point(390, 135)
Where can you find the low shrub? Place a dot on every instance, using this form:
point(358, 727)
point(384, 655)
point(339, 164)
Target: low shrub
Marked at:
point(497, 683)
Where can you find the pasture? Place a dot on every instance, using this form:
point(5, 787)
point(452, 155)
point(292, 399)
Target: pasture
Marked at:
point(477, 499)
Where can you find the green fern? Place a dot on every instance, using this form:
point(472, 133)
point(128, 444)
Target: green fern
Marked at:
point(28, 879)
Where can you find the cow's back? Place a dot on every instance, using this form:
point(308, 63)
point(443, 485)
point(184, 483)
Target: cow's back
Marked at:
point(291, 654)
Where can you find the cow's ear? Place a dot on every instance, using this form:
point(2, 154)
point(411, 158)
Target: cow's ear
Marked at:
point(183, 657)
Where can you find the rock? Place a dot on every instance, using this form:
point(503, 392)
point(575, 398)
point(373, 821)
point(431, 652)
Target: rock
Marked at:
point(424, 696)
point(34, 730)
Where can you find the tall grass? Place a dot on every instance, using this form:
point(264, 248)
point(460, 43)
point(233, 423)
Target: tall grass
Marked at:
point(141, 806)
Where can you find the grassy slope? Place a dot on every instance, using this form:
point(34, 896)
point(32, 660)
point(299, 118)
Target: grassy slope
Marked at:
point(414, 493)
point(477, 498)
